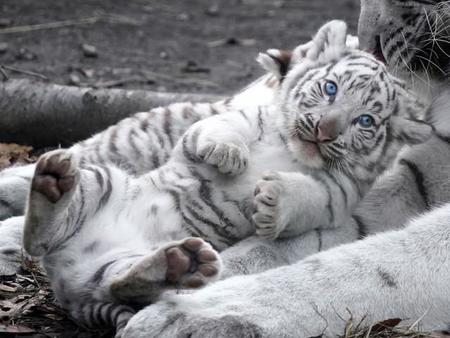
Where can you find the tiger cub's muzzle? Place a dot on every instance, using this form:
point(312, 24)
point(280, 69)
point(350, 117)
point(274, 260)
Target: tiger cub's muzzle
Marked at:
point(324, 132)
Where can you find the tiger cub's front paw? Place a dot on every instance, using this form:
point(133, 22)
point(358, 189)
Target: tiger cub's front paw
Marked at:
point(229, 158)
point(269, 215)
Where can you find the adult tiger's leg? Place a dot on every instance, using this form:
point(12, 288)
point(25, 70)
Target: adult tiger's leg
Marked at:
point(417, 182)
point(400, 274)
point(14, 186)
point(255, 254)
point(11, 253)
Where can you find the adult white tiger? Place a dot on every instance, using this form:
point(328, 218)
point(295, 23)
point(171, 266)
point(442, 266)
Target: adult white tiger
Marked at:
point(403, 273)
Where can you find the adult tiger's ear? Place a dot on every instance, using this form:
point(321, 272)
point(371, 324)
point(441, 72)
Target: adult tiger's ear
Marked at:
point(329, 43)
point(275, 61)
point(407, 123)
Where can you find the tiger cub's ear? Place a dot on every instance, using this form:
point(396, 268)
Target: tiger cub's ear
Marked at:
point(276, 62)
point(407, 123)
point(329, 43)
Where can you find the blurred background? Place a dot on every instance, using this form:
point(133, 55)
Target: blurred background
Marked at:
point(162, 45)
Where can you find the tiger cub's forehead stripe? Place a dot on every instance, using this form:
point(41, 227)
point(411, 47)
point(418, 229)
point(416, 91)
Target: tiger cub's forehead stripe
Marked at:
point(358, 63)
point(298, 82)
point(362, 61)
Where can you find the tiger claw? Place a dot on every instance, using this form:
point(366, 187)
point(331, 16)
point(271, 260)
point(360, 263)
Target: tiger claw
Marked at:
point(228, 158)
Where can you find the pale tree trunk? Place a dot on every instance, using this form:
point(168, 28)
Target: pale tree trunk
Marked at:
point(43, 115)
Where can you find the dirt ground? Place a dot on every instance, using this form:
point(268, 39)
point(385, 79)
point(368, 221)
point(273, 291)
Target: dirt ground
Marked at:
point(164, 45)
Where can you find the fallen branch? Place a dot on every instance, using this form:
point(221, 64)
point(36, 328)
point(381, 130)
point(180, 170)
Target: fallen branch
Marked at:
point(43, 115)
point(4, 74)
point(119, 82)
point(22, 71)
point(69, 23)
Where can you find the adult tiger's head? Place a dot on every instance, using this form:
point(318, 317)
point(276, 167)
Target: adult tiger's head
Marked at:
point(413, 37)
point(340, 106)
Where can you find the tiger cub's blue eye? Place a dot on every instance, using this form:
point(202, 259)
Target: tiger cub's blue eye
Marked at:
point(330, 88)
point(366, 121)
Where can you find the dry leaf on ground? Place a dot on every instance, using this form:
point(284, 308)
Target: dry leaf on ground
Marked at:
point(11, 153)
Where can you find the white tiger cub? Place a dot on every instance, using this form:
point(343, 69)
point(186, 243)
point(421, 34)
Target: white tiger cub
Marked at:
point(107, 238)
point(156, 131)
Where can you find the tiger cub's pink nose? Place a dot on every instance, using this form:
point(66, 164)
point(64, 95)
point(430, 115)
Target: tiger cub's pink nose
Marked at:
point(327, 130)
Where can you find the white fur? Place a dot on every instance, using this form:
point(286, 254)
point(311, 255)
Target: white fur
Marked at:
point(399, 274)
point(402, 274)
point(308, 298)
point(14, 186)
point(115, 248)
